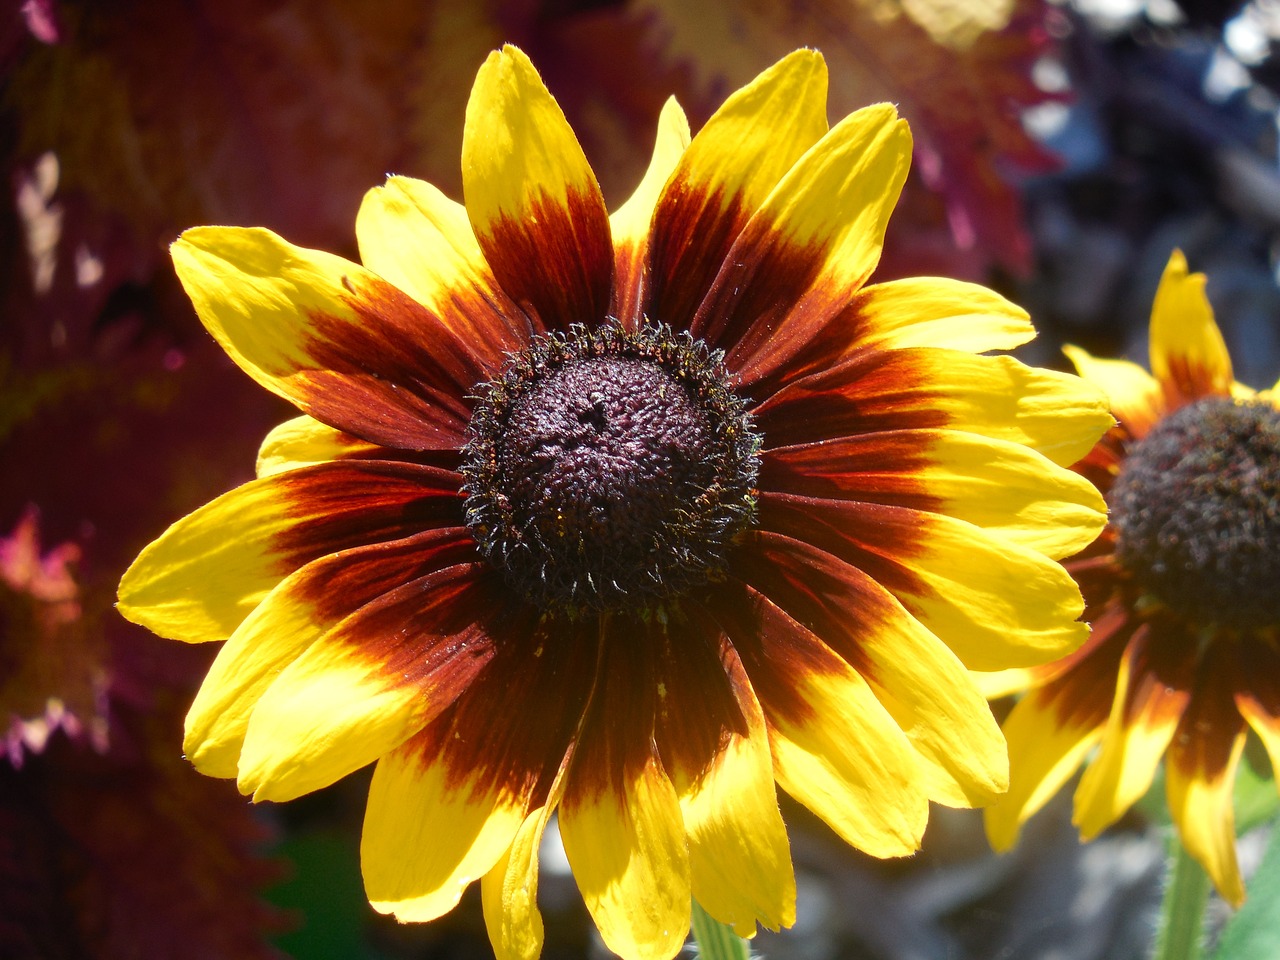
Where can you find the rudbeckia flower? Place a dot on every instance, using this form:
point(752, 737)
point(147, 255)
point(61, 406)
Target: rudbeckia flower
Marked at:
point(1181, 589)
point(624, 517)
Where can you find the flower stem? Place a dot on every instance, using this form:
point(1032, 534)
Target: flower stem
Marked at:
point(716, 941)
point(1182, 913)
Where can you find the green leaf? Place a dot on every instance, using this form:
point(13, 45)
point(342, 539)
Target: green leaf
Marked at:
point(1256, 800)
point(1254, 932)
point(326, 895)
point(716, 940)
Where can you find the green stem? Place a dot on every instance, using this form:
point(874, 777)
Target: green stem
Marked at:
point(1182, 913)
point(715, 940)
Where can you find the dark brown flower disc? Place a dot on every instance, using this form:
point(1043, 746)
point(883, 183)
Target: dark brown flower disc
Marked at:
point(609, 470)
point(1197, 513)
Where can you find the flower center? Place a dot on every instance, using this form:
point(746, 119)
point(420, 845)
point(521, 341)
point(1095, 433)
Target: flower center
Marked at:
point(609, 470)
point(1196, 510)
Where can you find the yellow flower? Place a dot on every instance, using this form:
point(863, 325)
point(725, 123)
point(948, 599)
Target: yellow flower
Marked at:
point(625, 517)
point(1181, 590)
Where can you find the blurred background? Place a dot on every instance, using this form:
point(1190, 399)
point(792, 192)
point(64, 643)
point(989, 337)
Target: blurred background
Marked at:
point(1062, 151)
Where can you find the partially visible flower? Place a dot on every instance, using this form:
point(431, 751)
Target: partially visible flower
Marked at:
point(1183, 590)
point(625, 517)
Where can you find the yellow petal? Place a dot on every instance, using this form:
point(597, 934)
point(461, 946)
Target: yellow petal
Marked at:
point(1059, 415)
point(1133, 395)
point(828, 214)
point(509, 893)
point(760, 131)
point(1013, 492)
point(1000, 683)
point(417, 238)
point(430, 829)
point(1147, 708)
point(937, 312)
point(1188, 355)
point(224, 550)
point(927, 691)
point(370, 683)
point(921, 683)
point(245, 667)
point(532, 199)
point(208, 571)
point(738, 850)
point(1200, 777)
point(731, 165)
point(999, 486)
point(873, 797)
point(838, 196)
point(630, 222)
point(300, 610)
point(322, 718)
point(835, 747)
point(548, 695)
point(993, 602)
point(629, 855)
point(1048, 740)
point(996, 604)
point(1256, 672)
point(331, 337)
point(303, 441)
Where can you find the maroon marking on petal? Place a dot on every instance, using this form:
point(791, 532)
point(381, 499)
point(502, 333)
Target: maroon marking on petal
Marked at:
point(630, 283)
point(349, 503)
point(872, 537)
point(830, 333)
point(617, 737)
point(693, 230)
point(1080, 687)
point(1101, 465)
point(1188, 381)
point(554, 261)
point(764, 302)
point(1204, 742)
point(488, 322)
point(1254, 665)
point(873, 391)
point(378, 410)
point(398, 376)
point(698, 706)
point(835, 601)
point(512, 727)
point(340, 583)
point(777, 652)
point(1103, 583)
point(354, 448)
point(435, 633)
point(1163, 662)
point(877, 468)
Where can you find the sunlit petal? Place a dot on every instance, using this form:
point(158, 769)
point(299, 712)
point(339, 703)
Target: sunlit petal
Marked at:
point(731, 165)
point(242, 544)
point(533, 201)
point(1188, 355)
point(630, 223)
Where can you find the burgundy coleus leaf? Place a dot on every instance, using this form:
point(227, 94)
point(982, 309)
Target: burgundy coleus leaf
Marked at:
point(278, 114)
point(959, 71)
point(53, 674)
point(131, 853)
